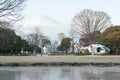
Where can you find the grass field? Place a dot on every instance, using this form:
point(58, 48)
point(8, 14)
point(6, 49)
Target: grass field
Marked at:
point(57, 59)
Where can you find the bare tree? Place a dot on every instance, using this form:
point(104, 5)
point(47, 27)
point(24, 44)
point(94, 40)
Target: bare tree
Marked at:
point(35, 37)
point(10, 10)
point(5, 24)
point(88, 22)
point(72, 36)
point(45, 41)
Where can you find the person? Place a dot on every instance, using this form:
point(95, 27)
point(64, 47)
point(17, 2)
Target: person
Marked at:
point(44, 49)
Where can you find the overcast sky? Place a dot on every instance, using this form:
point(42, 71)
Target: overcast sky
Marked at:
point(63, 11)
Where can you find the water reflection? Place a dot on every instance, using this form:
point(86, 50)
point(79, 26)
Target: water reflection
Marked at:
point(60, 73)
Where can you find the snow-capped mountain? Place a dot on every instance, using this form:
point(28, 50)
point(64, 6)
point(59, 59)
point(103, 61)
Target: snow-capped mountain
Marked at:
point(50, 27)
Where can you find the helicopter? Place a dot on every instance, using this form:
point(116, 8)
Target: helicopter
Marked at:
point(94, 49)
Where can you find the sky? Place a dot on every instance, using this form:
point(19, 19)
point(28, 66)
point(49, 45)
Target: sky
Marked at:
point(61, 12)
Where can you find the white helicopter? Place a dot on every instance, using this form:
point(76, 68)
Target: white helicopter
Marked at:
point(94, 49)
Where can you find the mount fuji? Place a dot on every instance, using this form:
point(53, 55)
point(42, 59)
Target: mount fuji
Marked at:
point(50, 27)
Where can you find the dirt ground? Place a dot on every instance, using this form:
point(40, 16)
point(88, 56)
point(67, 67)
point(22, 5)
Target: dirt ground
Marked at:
point(69, 59)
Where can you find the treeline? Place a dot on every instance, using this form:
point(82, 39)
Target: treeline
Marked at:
point(10, 13)
point(91, 26)
point(111, 38)
point(11, 44)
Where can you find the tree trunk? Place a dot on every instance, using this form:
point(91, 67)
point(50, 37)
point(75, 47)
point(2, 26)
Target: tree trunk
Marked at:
point(34, 52)
point(66, 51)
point(72, 46)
